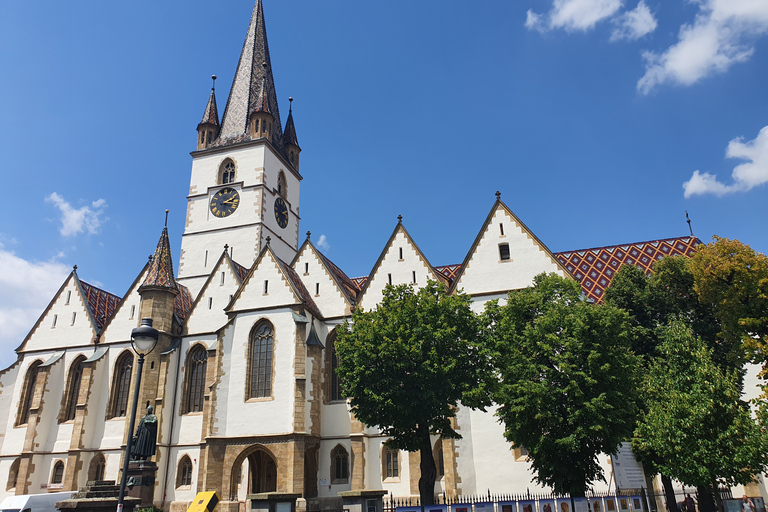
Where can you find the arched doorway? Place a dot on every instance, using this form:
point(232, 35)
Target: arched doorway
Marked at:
point(262, 476)
point(254, 471)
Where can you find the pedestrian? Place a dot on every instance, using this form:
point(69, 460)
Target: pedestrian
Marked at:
point(688, 504)
point(747, 505)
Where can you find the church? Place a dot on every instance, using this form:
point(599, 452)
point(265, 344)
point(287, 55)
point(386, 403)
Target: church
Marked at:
point(242, 379)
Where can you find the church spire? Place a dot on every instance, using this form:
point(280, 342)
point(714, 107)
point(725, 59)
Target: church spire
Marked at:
point(208, 129)
point(160, 272)
point(292, 148)
point(252, 79)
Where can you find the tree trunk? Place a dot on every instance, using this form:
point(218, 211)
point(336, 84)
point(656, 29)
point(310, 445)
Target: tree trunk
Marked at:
point(428, 470)
point(669, 494)
point(706, 499)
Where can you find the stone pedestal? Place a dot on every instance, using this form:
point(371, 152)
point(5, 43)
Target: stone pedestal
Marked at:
point(273, 501)
point(141, 481)
point(363, 500)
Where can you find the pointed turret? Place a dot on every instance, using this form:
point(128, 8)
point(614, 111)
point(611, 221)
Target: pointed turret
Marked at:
point(261, 119)
point(159, 290)
point(252, 79)
point(292, 148)
point(208, 129)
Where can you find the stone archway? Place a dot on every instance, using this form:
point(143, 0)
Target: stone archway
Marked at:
point(261, 468)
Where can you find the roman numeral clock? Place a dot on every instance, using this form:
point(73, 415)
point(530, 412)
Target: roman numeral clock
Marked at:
point(224, 202)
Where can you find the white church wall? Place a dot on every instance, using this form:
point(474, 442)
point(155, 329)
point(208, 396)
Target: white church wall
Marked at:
point(397, 269)
point(266, 287)
point(399, 486)
point(14, 436)
point(65, 324)
point(276, 411)
point(188, 426)
point(486, 272)
point(187, 492)
point(326, 468)
point(126, 318)
point(325, 293)
point(335, 420)
point(9, 381)
point(94, 423)
point(208, 314)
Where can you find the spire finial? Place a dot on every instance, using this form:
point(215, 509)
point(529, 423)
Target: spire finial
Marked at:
point(150, 258)
point(166, 218)
point(399, 219)
point(309, 234)
point(74, 268)
point(213, 87)
point(688, 220)
point(226, 247)
point(498, 195)
point(290, 104)
point(269, 239)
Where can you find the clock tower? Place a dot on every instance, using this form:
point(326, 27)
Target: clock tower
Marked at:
point(245, 172)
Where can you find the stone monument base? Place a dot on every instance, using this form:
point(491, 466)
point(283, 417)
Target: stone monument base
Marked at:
point(141, 481)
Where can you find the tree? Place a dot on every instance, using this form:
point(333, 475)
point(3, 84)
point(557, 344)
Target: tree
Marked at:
point(568, 380)
point(696, 426)
point(732, 279)
point(408, 363)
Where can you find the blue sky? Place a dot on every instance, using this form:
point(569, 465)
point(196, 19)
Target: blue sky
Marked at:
point(589, 116)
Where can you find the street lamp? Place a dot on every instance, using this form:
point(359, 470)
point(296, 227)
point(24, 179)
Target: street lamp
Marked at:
point(143, 341)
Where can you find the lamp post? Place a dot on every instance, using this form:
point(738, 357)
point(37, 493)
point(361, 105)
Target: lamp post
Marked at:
point(143, 341)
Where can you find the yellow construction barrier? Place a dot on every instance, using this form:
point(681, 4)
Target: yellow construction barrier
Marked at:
point(204, 502)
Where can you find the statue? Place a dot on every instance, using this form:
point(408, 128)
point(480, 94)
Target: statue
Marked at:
point(145, 440)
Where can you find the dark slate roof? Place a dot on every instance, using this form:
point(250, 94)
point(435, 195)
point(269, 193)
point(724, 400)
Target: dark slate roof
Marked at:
point(211, 114)
point(594, 268)
point(289, 137)
point(183, 302)
point(160, 272)
point(261, 103)
point(298, 285)
point(101, 304)
point(247, 85)
point(348, 286)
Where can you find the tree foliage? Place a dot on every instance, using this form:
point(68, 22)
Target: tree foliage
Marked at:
point(568, 380)
point(695, 423)
point(408, 363)
point(732, 279)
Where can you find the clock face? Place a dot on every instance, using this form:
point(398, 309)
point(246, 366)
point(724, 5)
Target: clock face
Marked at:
point(281, 212)
point(224, 202)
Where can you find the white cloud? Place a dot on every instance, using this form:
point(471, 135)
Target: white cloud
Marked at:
point(634, 24)
point(74, 221)
point(322, 243)
point(26, 289)
point(721, 35)
point(746, 175)
point(573, 15)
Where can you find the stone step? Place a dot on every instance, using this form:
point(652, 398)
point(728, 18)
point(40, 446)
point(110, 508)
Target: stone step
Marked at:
point(91, 483)
point(103, 488)
point(92, 494)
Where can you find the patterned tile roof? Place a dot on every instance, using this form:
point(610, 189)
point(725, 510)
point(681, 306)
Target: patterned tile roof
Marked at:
point(211, 114)
point(261, 103)
point(183, 302)
point(248, 83)
point(240, 270)
point(594, 268)
point(359, 282)
point(101, 304)
point(160, 272)
point(448, 271)
point(298, 285)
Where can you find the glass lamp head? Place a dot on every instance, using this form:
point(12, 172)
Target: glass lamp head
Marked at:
point(144, 337)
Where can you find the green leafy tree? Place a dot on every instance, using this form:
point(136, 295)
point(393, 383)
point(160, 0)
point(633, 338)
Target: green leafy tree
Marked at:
point(568, 380)
point(732, 279)
point(696, 426)
point(408, 363)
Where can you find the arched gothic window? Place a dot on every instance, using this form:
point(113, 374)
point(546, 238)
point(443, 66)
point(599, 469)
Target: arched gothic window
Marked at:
point(196, 366)
point(437, 454)
point(57, 476)
point(260, 376)
point(13, 476)
point(73, 389)
point(331, 365)
point(121, 384)
point(339, 465)
point(282, 185)
point(227, 172)
point(184, 473)
point(390, 462)
point(28, 393)
point(97, 468)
